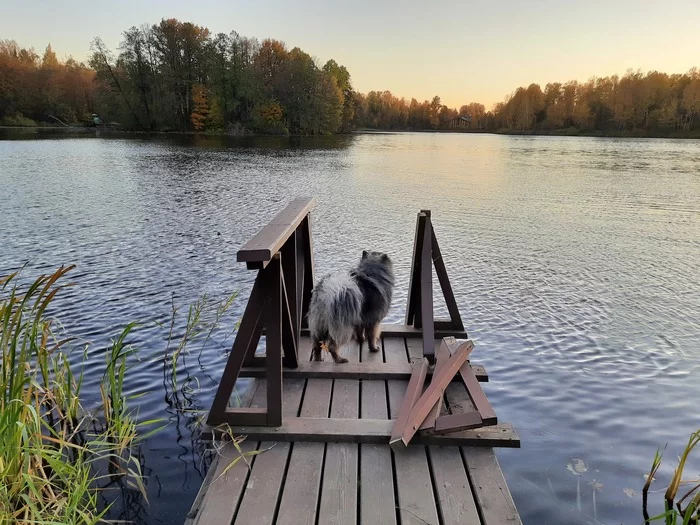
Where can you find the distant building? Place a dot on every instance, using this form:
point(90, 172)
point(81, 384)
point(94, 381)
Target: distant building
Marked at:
point(461, 122)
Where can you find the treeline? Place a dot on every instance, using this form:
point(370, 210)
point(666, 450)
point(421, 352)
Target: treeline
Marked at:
point(646, 103)
point(34, 88)
point(176, 76)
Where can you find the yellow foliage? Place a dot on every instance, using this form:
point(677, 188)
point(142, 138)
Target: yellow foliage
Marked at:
point(198, 117)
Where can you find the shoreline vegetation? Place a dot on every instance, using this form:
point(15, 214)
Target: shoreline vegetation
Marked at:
point(567, 132)
point(179, 77)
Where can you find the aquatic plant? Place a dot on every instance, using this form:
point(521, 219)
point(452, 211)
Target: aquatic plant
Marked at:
point(685, 510)
point(53, 453)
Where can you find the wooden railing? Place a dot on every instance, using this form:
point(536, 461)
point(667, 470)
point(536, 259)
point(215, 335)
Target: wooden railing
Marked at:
point(282, 254)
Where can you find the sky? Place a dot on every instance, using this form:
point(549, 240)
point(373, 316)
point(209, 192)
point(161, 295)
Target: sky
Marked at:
point(464, 51)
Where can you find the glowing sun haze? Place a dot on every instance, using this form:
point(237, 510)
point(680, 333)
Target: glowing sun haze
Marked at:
point(462, 51)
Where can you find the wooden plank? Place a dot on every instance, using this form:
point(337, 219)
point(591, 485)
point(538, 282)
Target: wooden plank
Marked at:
point(411, 332)
point(413, 392)
point(412, 304)
point(489, 486)
point(477, 395)
point(223, 494)
point(399, 330)
point(339, 489)
point(321, 429)
point(377, 503)
point(366, 370)
point(454, 494)
point(443, 354)
point(415, 503)
point(457, 422)
point(426, 294)
point(395, 353)
point(308, 280)
point(270, 239)
point(433, 393)
point(264, 486)
point(273, 340)
point(301, 488)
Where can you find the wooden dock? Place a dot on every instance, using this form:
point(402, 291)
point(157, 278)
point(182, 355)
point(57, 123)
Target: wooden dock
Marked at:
point(322, 429)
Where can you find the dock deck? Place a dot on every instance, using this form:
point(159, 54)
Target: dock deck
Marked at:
point(349, 483)
point(352, 443)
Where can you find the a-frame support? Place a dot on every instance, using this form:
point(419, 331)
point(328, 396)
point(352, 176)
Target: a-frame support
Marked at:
point(419, 310)
point(283, 255)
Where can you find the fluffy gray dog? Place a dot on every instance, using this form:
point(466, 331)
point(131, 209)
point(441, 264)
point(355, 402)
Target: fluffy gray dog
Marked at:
point(348, 302)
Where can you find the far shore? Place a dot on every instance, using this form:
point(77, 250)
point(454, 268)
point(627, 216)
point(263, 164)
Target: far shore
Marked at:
point(567, 132)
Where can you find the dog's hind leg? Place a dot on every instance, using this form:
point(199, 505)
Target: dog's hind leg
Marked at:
point(360, 334)
point(316, 350)
point(333, 349)
point(373, 334)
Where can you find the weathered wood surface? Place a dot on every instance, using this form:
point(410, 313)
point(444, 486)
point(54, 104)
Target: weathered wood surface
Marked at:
point(364, 370)
point(416, 504)
point(274, 234)
point(339, 482)
point(413, 392)
point(301, 491)
point(264, 485)
point(339, 491)
point(489, 486)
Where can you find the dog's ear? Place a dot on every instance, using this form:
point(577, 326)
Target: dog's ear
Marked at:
point(364, 254)
point(384, 257)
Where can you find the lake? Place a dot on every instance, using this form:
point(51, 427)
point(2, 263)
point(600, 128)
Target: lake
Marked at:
point(575, 263)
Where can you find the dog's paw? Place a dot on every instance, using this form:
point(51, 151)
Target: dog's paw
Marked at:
point(341, 360)
point(374, 348)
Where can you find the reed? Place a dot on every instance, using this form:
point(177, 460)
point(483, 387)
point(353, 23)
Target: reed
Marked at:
point(53, 454)
point(684, 509)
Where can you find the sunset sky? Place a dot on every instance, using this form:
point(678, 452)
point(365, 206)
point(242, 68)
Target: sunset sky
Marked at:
point(463, 51)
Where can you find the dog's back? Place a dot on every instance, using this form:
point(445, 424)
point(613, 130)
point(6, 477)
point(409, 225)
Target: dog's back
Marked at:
point(335, 308)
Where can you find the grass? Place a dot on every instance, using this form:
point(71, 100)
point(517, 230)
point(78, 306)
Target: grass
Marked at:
point(53, 454)
point(677, 510)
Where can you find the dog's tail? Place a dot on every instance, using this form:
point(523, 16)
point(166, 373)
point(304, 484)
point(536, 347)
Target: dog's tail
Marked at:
point(335, 308)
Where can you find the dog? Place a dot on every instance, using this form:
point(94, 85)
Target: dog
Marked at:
point(350, 303)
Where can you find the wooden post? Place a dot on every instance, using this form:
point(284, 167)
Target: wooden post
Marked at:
point(426, 287)
point(273, 335)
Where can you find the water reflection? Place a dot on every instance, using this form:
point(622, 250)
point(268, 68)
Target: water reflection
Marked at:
point(574, 262)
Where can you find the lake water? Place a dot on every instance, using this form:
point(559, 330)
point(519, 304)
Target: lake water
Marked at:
point(575, 263)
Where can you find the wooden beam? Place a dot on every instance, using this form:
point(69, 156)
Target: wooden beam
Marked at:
point(290, 303)
point(246, 340)
point(435, 390)
point(377, 431)
point(457, 422)
point(443, 354)
point(308, 279)
point(426, 293)
point(476, 393)
point(364, 371)
point(258, 251)
point(273, 341)
point(413, 302)
point(411, 332)
point(413, 392)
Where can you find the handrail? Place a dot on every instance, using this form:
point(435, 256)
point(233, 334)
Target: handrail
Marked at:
point(259, 250)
